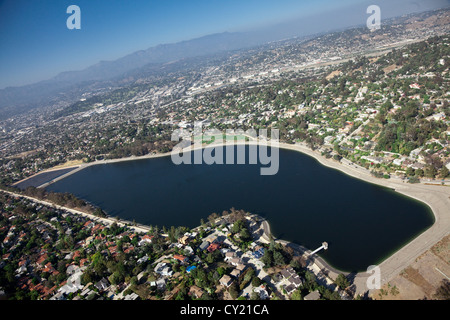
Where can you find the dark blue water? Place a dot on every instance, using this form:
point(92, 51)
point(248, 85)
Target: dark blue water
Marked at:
point(304, 202)
point(42, 178)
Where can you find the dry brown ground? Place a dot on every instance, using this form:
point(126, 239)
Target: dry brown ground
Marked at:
point(420, 279)
point(23, 154)
point(442, 249)
point(390, 68)
point(67, 164)
point(222, 293)
point(333, 74)
point(274, 270)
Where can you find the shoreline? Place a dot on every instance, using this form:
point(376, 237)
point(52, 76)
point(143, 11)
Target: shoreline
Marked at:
point(82, 166)
point(433, 195)
point(106, 220)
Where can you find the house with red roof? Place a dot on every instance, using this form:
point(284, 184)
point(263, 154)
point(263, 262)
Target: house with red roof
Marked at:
point(180, 258)
point(213, 247)
point(83, 262)
point(48, 268)
point(100, 237)
point(112, 249)
point(42, 258)
point(129, 249)
point(97, 227)
point(88, 225)
point(76, 254)
point(145, 239)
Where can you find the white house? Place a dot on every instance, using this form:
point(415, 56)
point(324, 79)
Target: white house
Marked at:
point(261, 290)
point(145, 239)
point(73, 283)
point(163, 269)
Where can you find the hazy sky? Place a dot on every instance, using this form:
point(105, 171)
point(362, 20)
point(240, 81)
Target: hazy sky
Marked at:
point(35, 43)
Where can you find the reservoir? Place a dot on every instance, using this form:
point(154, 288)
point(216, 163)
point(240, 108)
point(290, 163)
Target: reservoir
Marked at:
point(305, 202)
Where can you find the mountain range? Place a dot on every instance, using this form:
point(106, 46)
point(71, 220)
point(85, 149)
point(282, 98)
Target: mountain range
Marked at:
point(16, 100)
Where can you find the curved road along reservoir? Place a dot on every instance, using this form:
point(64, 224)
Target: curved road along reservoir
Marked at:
point(305, 202)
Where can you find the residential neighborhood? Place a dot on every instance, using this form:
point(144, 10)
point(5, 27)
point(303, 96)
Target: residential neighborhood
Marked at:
point(372, 103)
point(50, 254)
point(375, 107)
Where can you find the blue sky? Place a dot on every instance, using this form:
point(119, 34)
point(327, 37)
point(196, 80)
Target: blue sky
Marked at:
point(35, 43)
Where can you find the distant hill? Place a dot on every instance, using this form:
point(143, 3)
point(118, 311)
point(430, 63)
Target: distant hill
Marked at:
point(70, 85)
point(15, 100)
point(160, 54)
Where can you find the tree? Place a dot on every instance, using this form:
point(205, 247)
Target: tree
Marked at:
point(233, 290)
point(395, 290)
point(430, 171)
point(209, 258)
point(202, 275)
point(221, 271)
point(256, 282)
point(116, 278)
point(237, 226)
point(443, 292)
point(444, 173)
point(297, 295)
point(341, 281)
point(414, 180)
point(254, 296)
point(212, 218)
point(409, 172)
point(328, 295)
point(88, 276)
point(100, 268)
point(311, 283)
point(134, 281)
point(295, 263)
point(278, 258)
point(267, 258)
point(249, 274)
point(99, 212)
point(245, 235)
point(419, 173)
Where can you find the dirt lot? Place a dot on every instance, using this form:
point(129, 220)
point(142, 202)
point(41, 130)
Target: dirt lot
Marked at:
point(71, 163)
point(333, 74)
point(421, 279)
point(390, 68)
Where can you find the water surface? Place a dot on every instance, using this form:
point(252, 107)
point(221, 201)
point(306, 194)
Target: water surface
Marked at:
point(304, 202)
